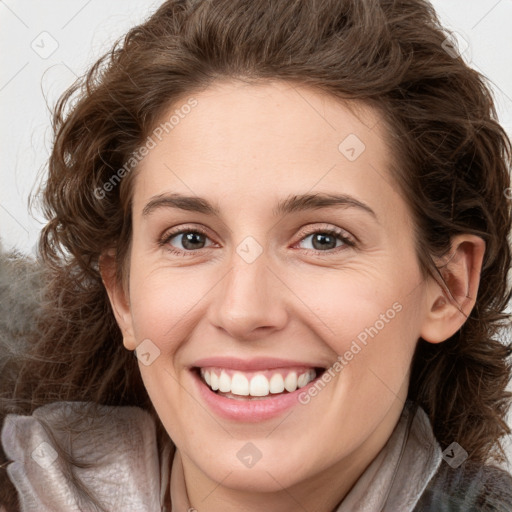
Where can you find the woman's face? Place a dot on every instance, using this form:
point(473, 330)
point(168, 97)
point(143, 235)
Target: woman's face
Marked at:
point(270, 241)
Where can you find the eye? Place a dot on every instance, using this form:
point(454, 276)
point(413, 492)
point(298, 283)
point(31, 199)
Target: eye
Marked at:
point(192, 239)
point(326, 240)
point(188, 238)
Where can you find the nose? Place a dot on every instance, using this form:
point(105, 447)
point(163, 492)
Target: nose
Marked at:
point(250, 300)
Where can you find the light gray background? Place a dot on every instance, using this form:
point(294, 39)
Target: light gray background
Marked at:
point(45, 45)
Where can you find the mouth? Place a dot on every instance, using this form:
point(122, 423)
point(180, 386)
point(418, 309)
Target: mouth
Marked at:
point(252, 390)
point(264, 384)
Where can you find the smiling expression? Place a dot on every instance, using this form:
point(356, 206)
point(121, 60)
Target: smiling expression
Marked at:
point(268, 235)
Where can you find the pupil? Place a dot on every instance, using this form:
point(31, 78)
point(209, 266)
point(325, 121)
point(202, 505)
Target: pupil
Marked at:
point(191, 238)
point(323, 240)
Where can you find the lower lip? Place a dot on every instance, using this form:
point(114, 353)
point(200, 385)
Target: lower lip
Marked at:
point(248, 410)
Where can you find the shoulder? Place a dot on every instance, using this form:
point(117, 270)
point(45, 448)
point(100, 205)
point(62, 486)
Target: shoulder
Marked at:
point(469, 487)
point(68, 452)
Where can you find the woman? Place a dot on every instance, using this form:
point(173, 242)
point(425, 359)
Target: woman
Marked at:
point(294, 215)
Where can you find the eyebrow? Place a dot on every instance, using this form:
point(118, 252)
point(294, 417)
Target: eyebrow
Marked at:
point(293, 203)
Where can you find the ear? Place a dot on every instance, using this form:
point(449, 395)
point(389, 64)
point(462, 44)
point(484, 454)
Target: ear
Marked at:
point(119, 298)
point(450, 305)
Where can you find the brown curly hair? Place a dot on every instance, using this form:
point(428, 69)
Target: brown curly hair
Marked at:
point(452, 162)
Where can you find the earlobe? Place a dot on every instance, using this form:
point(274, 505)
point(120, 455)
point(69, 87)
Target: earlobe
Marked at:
point(118, 298)
point(449, 304)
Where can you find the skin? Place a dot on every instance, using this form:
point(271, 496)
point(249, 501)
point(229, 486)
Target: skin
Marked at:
point(244, 148)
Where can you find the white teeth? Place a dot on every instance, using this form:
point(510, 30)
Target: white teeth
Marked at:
point(302, 380)
point(258, 386)
point(290, 382)
point(276, 383)
point(224, 382)
point(215, 381)
point(306, 378)
point(240, 384)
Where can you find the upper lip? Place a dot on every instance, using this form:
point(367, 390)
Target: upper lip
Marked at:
point(255, 364)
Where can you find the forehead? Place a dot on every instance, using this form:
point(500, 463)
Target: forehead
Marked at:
point(244, 142)
point(253, 113)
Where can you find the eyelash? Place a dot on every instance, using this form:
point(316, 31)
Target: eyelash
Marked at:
point(336, 232)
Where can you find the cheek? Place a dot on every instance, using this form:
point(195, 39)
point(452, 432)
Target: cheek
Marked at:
point(347, 306)
point(164, 304)
point(371, 323)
